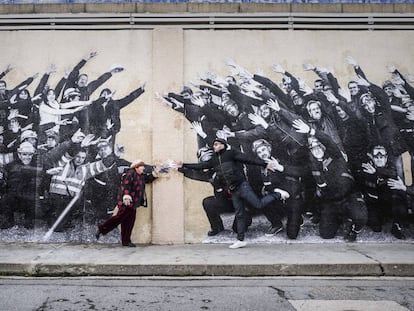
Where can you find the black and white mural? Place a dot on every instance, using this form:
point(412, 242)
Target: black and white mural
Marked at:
point(60, 165)
point(342, 149)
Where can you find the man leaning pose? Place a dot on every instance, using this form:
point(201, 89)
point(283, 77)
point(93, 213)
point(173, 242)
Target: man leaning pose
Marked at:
point(228, 165)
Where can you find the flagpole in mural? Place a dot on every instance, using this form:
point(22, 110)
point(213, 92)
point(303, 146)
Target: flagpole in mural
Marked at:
point(61, 216)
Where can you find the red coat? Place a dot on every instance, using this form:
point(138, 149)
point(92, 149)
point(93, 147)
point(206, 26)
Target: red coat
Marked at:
point(133, 184)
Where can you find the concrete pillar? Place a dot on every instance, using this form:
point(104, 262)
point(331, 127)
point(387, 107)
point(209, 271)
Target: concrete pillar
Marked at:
point(168, 137)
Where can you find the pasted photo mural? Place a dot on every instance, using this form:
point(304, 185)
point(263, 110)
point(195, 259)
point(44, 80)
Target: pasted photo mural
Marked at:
point(341, 149)
point(58, 149)
point(332, 128)
point(59, 143)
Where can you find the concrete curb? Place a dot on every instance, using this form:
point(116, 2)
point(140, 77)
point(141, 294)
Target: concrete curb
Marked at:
point(348, 260)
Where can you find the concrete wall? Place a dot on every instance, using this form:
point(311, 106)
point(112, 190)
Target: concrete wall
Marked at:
point(193, 7)
point(166, 59)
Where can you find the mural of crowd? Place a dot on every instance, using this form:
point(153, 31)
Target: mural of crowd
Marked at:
point(341, 153)
point(57, 146)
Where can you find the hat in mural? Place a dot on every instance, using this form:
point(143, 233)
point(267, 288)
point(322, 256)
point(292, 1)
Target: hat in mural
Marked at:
point(103, 142)
point(314, 142)
point(28, 134)
point(52, 133)
point(364, 97)
point(260, 142)
point(387, 83)
point(220, 140)
point(187, 90)
point(26, 147)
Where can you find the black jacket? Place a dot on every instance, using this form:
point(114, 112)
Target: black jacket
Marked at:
point(228, 165)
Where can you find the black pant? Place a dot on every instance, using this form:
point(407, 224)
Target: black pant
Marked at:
point(334, 212)
point(294, 210)
point(214, 207)
point(19, 211)
point(393, 207)
point(244, 195)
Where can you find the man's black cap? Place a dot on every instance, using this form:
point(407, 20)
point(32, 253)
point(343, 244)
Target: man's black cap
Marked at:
point(221, 140)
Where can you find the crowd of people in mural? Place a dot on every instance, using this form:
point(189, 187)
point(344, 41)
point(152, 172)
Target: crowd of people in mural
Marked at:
point(286, 150)
point(57, 145)
point(343, 155)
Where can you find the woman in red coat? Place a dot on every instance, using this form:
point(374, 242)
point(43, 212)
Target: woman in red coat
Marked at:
point(131, 195)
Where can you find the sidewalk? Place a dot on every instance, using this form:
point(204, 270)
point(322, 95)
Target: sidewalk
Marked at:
point(357, 259)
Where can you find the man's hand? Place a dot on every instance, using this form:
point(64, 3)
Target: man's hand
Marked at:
point(409, 78)
point(410, 115)
point(67, 73)
point(54, 170)
point(396, 184)
point(255, 119)
point(396, 78)
point(198, 101)
point(89, 140)
point(91, 55)
point(117, 69)
point(344, 94)
point(273, 104)
point(109, 124)
point(110, 95)
point(13, 113)
point(304, 87)
point(52, 68)
point(199, 129)
point(391, 68)
point(284, 195)
point(301, 127)
point(222, 134)
point(308, 67)
point(271, 166)
point(63, 122)
point(176, 164)
point(361, 81)
point(162, 99)
point(8, 68)
point(37, 96)
point(351, 61)
point(276, 164)
point(279, 69)
point(368, 168)
point(331, 97)
point(77, 137)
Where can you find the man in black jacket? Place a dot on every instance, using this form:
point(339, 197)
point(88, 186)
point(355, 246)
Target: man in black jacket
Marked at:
point(335, 186)
point(228, 165)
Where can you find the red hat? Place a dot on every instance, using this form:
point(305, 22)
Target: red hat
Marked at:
point(137, 163)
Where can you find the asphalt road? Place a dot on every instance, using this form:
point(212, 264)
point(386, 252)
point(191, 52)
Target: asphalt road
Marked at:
point(181, 294)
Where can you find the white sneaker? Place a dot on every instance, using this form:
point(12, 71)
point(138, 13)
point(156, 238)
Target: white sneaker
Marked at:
point(238, 244)
point(284, 195)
